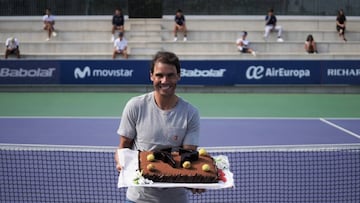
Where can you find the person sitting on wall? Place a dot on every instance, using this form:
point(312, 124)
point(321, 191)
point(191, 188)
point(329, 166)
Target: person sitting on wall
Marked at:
point(310, 45)
point(117, 23)
point(49, 22)
point(180, 25)
point(120, 46)
point(243, 44)
point(341, 24)
point(271, 25)
point(12, 47)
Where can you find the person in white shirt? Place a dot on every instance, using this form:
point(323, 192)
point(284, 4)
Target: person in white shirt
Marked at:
point(12, 47)
point(120, 46)
point(49, 22)
point(243, 44)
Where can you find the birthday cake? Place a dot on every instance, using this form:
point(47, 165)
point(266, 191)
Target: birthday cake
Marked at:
point(179, 166)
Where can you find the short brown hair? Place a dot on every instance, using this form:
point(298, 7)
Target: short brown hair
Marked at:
point(167, 58)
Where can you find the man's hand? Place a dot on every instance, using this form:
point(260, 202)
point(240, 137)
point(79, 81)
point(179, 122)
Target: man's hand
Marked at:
point(125, 142)
point(197, 191)
point(118, 167)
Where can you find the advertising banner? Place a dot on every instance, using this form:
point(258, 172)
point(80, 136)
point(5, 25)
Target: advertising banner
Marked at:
point(193, 72)
point(340, 72)
point(29, 72)
point(278, 72)
point(105, 72)
point(208, 72)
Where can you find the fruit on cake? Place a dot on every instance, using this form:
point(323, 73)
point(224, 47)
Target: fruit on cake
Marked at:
point(178, 166)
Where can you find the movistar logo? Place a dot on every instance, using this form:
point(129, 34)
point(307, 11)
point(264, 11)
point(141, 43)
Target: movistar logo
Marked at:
point(78, 73)
point(103, 72)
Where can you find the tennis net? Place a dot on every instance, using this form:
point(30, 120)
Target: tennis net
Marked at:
point(321, 174)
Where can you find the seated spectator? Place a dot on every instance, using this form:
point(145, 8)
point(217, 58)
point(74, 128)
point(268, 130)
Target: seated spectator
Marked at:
point(117, 23)
point(310, 45)
point(12, 47)
point(49, 22)
point(341, 24)
point(271, 25)
point(180, 25)
point(120, 46)
point(243, 44)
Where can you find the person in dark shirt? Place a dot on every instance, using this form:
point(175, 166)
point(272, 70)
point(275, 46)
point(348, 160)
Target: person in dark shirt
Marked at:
point(118, 23)
point(179, 24)
point(271, 25)
point(341, 24)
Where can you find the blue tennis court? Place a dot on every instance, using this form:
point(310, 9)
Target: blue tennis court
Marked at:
point(215, 132)
point(280, 160)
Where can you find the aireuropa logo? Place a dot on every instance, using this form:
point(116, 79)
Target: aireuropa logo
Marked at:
point(209, 73)
point(27, 73)
point(258, 72)
point(103, 72)
point(255, 72)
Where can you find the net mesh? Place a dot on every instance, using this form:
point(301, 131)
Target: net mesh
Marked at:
point(67, 174)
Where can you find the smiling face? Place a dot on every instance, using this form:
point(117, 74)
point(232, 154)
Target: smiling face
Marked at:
point(164, 78)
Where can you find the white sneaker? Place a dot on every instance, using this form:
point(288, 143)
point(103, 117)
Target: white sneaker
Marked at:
point(175, 39)
point(185, 39)
point(54, 34)
point(253, 53)
point(47, 39)
point(112, 38)
point(279, 39)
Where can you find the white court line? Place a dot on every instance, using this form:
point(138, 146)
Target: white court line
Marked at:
point(340, 128)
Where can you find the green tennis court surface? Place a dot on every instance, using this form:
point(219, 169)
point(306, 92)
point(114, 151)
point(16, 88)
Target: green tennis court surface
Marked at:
point(209, 105)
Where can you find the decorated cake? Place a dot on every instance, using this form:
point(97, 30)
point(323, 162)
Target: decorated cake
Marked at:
point(178, 166)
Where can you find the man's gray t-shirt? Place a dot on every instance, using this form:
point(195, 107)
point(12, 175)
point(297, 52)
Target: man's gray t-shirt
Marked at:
point(152, 128)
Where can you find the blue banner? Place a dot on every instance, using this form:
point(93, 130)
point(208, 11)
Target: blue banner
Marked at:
point(340, 72)
point(208, 72)
point(193, 72)
point(29, 72)
point(105, 72)
point(278, 72)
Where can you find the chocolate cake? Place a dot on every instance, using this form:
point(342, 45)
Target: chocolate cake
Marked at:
point(169, 166)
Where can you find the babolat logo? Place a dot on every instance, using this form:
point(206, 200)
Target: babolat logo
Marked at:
point(258, 72)
point(211, 73)
point(27, 73)
point(88, 72)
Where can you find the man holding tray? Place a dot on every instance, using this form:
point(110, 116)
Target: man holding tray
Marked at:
point(159, 120)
